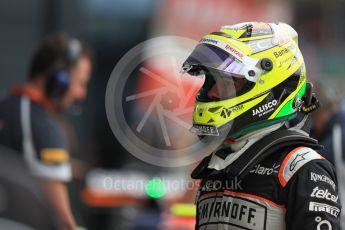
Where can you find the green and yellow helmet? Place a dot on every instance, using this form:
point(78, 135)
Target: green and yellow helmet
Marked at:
point(255, 77)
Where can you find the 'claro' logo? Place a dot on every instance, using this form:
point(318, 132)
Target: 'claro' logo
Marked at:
point(264, 109)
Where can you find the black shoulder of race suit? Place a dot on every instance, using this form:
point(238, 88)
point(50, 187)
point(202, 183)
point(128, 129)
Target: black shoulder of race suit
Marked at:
point(287, 186)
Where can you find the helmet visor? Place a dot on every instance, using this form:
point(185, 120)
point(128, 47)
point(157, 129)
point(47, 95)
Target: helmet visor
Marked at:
point(209, 57)
point(221, 86)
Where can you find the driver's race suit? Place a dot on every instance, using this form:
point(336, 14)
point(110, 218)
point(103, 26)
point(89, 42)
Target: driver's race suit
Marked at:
point(295, 188)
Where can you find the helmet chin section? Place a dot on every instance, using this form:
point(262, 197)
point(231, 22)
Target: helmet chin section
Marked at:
point(211, 134)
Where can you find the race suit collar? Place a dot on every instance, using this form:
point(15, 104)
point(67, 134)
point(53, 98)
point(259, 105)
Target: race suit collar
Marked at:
point(237, 149)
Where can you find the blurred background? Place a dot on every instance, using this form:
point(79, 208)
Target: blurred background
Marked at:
point(112, 28)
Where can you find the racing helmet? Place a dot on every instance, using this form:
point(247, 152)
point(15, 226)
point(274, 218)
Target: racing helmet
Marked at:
point(255, 77)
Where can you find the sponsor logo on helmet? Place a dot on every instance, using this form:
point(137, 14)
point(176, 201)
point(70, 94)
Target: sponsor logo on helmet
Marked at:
point(308, 109)
point(226, 112)
point(261, 170)
point(234, 51)
point(264, 109)
point(283, 51)
point(209, 41)
point(280, 52)
point(317, 177)
point(323, 194)
point(321, 207)
point(205, 130)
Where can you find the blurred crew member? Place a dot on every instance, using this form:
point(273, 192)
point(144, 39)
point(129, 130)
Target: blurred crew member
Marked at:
point(58, 76)
point(329, 128)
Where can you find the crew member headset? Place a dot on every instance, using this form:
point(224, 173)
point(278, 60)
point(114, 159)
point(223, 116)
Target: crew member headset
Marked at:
point(58, 78)
point(59, 61)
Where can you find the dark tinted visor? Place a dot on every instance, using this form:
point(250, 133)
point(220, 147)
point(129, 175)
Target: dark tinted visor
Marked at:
point(220, 86)
point(210, 57)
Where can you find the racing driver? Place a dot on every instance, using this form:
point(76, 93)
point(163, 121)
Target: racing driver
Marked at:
point(266, 174)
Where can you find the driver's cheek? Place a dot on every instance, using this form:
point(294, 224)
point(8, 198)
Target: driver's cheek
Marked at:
point(214, 93)
point(239, 83)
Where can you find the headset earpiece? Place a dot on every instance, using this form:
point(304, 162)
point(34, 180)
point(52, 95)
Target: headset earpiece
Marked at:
point(58, 82)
